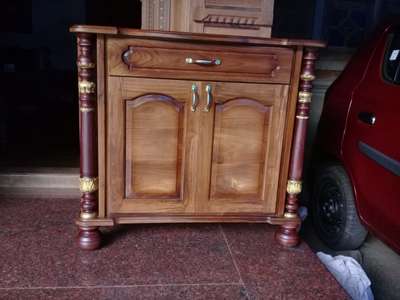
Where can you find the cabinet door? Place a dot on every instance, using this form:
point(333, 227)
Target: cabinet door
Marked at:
point(242, 147)
point(152, 146)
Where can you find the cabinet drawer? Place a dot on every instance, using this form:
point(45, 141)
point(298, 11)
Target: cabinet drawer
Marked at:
point(146, 58)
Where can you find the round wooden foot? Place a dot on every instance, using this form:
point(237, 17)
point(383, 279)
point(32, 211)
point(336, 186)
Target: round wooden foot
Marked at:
point(89, 238)
point(287, 235)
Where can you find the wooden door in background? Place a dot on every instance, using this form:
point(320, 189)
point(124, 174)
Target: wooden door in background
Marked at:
point(231, 17)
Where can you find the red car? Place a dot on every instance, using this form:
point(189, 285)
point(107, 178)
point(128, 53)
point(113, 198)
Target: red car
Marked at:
point(357, 181)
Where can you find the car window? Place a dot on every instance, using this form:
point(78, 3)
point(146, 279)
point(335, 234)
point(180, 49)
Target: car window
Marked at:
point(391, 66)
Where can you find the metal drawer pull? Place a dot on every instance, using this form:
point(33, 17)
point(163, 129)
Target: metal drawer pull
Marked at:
point(205, 62)
point(209, 98)
point(195, 97)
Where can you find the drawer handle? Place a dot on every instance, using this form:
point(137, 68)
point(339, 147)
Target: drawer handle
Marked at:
point(204, 62)
point(195, 97)
point(126, 56)
point(209, 98)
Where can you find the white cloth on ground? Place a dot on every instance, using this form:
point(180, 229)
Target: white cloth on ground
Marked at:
point(349, 274)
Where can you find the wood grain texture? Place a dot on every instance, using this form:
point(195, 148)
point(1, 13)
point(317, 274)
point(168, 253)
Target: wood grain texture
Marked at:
point(196, 37)
point(242, 31)
point(246, 147)
point(156, 14)
point(231, 17)
point(187, 217)
point(245, 150)
point(240, 141)
point(101, 123)
point(154, 142)
point(93, 29)
point(141, 58)
point(179, 22)
point(193, 218)
point(153, 160)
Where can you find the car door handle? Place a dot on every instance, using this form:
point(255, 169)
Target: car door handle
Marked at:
point(367, 117)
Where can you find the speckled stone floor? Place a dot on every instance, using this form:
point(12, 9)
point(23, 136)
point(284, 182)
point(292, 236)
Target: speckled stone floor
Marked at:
point(39, 260)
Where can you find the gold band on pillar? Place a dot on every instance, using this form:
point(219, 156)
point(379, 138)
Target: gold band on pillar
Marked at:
point(290, 215)
point(293, 187)
point(88, 185)
point(86, 109)
point(87, 216)
point(307, 77)
point(302, 117)
point(305, 97)
point(86, 65)
point(86, 87)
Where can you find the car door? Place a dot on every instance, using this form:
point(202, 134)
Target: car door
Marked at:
point(371, 148)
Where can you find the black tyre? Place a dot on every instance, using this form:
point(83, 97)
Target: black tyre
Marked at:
point(333, 209)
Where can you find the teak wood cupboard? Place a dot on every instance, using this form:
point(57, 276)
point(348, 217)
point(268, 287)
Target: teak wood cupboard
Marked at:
point(179, 127)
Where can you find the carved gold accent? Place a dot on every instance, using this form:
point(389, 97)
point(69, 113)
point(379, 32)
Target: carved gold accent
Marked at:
point(290, 215)
point(302, 117)
point(86, 87)
point(88, 185)
point(305, 97)
point(307, 77)
point(86, 109)
point(293, 187)
point(88, 216)
point(86, 65)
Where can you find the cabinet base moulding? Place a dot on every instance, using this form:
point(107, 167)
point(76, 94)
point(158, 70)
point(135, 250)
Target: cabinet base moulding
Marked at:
point(210, 218)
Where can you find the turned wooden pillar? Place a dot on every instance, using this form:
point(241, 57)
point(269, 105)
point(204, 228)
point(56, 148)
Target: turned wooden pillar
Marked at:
point(287, 234)
point(89, 236)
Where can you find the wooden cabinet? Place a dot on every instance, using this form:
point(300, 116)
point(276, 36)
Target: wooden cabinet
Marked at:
point(185, 146)
point(191, 128)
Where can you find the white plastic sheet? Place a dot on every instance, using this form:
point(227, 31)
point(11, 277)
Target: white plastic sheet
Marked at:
point(349, 274)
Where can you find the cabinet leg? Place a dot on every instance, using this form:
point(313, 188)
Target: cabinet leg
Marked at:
point(89, 238)
point(287, 235)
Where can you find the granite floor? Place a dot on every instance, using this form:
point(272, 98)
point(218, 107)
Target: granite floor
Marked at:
point(39, 260)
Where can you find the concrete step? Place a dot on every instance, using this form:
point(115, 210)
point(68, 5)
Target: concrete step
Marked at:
point(40, 181)
point(39, 178)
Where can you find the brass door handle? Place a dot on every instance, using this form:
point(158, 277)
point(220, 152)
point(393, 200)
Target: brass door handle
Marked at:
point(204, 62)
point(209, 98)
point(195, 97)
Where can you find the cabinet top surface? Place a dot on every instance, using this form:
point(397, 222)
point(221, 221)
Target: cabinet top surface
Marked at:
point(199, 37)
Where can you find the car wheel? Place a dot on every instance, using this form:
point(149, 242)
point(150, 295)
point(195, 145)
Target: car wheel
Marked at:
point(334, 212)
